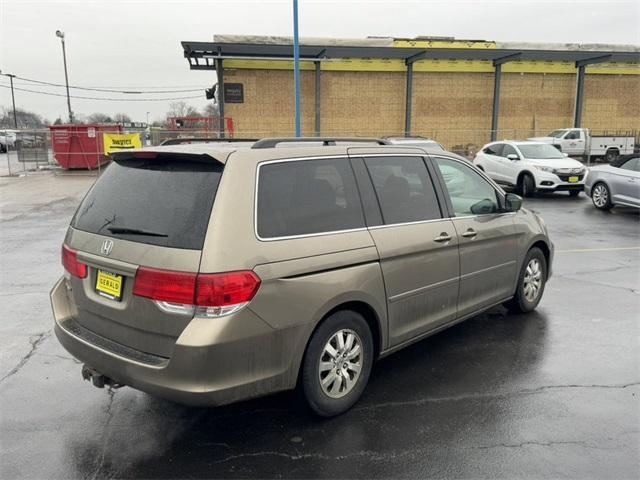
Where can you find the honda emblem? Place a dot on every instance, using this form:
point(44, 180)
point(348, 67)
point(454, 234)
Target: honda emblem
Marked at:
point(106, 247)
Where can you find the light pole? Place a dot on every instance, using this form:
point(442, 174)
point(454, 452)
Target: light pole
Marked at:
point(296, 65)
point(13, 99)
point(60, 35)
point(147, 119)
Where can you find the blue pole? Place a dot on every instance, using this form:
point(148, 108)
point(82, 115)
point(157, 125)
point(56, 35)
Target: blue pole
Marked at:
point(296, 65)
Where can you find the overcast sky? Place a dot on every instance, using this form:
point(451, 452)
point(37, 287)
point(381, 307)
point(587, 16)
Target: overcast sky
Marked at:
point(137, 43)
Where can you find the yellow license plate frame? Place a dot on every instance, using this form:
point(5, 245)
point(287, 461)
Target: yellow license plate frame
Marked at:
point(573, 179)
point(109, 284)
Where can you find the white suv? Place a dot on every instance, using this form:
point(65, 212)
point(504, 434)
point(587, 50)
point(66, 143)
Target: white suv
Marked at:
point(530, 167)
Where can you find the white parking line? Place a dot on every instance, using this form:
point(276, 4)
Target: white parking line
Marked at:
point(586, 250)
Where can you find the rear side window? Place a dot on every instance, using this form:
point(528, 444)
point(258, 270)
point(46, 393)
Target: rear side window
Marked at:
point(163, 201)
point(307, 196)
point(404, 189)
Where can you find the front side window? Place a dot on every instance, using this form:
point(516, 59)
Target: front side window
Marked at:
point(404, 189)
point(470, 194)
point(307, 196)
point(573, 135)
point(509, 150)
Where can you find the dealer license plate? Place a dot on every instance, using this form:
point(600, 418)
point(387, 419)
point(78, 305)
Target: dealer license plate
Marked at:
point(109, 285)
point(573, 179)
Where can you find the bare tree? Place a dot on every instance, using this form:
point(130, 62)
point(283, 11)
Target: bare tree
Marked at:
point(182, 109)
point(99, 118)
point(211, 110)
point(122, 118)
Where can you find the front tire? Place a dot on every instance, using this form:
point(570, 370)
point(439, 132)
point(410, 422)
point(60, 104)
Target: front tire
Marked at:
point(527, 186)
point(531, 282)
point(601, 196)
point(337, 363)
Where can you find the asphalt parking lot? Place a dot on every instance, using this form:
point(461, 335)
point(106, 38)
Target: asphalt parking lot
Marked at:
point(554, 393)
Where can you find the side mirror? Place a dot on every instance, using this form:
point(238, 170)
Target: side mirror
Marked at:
point(512, 202)
point(483, 207)
point(513, 156)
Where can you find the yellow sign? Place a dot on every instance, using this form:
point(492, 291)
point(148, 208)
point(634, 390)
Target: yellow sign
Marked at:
point(116, 142)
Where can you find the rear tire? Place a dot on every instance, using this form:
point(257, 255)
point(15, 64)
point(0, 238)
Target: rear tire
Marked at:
point(527, 186)
point(531, 282)
point(601, 196)
point(337, 363)
point(611, 155)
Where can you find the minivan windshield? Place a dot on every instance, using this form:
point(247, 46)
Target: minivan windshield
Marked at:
point(557, 133)
point(165, 200)
point(540, 151)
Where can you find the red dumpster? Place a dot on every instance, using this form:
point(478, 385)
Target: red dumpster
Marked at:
point(80, 146)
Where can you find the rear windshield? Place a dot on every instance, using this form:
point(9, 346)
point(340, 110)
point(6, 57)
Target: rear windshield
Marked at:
point(162, 201)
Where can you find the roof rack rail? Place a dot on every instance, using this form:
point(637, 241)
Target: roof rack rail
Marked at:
point(187, 140)
point(326, 141)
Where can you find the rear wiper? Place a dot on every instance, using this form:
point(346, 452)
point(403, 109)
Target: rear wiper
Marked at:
point(136, 231)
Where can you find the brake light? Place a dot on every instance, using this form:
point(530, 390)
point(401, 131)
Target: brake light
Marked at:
point(71, 264)
point(165, 285)
point(224, 289)
point(206, 294)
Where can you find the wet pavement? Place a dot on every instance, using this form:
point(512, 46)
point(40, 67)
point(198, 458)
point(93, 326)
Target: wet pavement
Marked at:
point(554, 393)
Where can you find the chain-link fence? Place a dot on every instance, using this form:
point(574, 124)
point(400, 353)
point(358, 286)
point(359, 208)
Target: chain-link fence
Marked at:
point(34, 150)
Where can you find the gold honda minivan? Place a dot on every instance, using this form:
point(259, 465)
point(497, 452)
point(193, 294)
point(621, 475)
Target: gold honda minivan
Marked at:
point(208, 274)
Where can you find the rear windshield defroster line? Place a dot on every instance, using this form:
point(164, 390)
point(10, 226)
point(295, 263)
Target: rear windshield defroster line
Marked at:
point(171, 194)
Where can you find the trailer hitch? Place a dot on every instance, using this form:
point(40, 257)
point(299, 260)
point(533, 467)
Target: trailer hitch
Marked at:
point(97, 379)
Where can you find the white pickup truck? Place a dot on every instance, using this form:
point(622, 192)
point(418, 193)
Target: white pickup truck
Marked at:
point(579, 142)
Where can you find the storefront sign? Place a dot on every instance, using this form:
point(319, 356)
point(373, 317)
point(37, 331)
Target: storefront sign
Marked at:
point(233, 93)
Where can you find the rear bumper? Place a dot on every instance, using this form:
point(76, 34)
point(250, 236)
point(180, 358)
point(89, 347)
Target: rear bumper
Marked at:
point(214, 362)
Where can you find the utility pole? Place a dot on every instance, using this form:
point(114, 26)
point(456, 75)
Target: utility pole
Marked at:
point(296, 65)
point(13, 101)
point(60, 35)
point(13, 98)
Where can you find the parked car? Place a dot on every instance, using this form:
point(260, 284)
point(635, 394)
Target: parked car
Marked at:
point(578, 142)
point(7, 140)
point(530, 167)
point(615, 184)
point(414, 142)
point(206, 275)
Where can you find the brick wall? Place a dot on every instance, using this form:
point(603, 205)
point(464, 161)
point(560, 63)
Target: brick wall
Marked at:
point(454, 108)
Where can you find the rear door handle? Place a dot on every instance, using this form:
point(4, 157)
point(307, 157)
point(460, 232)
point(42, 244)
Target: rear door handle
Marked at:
point(443, 237)
point(470, 233)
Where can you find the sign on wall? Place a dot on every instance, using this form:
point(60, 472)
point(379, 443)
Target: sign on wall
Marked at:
point(233, 93)
point(116, 142)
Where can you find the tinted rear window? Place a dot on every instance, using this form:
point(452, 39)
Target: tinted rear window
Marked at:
point(169, 195)
point(307, 196)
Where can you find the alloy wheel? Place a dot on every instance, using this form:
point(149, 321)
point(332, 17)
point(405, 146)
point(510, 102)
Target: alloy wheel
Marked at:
point(600, 196)
point(341, 363)
point(532, 282)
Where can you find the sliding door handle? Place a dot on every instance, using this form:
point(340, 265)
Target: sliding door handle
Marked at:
point(443, 237)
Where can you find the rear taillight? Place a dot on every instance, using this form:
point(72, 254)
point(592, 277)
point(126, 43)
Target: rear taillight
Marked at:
point(220, 294)
point(71, 264)
point(211, 295)
point(165, 286)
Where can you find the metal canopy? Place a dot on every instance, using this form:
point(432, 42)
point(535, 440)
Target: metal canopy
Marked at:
point(202, 55)
point(210, 56)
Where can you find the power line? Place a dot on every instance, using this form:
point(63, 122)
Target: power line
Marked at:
point(103, 98)
point(109, 89)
